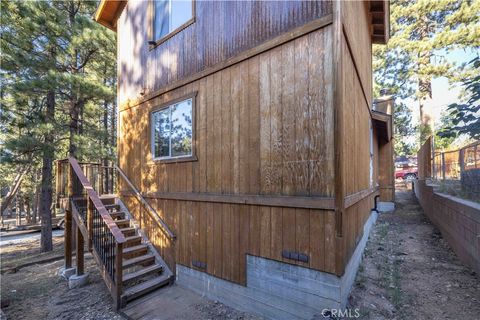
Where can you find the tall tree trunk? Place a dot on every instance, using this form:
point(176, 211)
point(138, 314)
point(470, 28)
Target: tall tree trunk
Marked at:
point(72, 148)
point(36, 199)
point(106, 177)
point(46, 182)
point(113, 124)
point(424, 86)
point(18, 209)
point(28, 211)
point(74, 105)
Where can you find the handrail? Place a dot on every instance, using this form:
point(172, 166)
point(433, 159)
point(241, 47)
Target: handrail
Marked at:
point(152, 211)
point(112, 226)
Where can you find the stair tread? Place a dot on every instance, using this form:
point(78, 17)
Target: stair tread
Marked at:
point(117, 214)
point(122, 221)
point(141, 272)
point(128, 230)
point(133, 237)
point(135, 248)
point(107, 196)
point(140, 259)
point(145, 287)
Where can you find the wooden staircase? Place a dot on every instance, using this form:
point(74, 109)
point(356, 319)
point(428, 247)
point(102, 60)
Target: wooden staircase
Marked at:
point(129, 263)
point(143, 269)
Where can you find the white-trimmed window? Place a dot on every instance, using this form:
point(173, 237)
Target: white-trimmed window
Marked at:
point(170, 15)
point(171, 131)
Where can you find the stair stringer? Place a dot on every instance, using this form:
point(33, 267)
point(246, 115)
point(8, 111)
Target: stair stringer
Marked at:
point(158, 258)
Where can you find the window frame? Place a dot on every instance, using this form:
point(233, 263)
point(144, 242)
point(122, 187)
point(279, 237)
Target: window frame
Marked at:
point(170, 159)
point(151, 35)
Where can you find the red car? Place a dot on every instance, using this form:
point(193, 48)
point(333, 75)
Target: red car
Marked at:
point(406, 173)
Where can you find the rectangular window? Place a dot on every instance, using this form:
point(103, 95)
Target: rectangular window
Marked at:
point(169, 15)
point(172, 131)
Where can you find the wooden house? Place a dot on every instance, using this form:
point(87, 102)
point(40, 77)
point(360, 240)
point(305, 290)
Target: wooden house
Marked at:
point(248, 145)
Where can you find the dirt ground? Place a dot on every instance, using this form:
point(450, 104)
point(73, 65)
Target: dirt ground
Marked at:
point(409, 271)
point(37, 292)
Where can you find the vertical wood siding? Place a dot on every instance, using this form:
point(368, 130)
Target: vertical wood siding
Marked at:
point(357, 98)
point(221, 234)
point(221, 30)
point(263, 127)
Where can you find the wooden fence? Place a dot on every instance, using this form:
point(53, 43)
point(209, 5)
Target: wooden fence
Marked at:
point(459, 169)
point(449, 165)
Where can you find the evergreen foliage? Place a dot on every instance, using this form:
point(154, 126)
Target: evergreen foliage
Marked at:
point(422, 34)
point(464, 118)
point(58, 92)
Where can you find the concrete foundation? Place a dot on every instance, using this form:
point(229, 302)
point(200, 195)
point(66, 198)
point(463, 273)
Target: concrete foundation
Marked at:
point(277, 290)
point(76, 281)
point(66, 273)
point(385, 206)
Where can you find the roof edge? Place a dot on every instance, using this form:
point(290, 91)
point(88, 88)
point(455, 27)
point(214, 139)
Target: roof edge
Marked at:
point(108, 12)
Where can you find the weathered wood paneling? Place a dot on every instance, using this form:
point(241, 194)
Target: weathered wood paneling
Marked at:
point(354, 94)
point(386, 168)
point(263, 126)
point(356, 135)
point(356, 24)
point(221, 235)
point(221, 30)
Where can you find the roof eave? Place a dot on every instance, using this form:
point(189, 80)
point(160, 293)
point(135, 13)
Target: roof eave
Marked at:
point(108, 12)
point(380, 21)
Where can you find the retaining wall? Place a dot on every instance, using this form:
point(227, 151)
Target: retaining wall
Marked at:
point(457, 219)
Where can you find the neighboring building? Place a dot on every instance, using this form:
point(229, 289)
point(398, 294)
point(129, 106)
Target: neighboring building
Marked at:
point(250, 128)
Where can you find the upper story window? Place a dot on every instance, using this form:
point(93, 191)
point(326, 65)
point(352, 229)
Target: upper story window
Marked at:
point(172, 131)
point(169, 16)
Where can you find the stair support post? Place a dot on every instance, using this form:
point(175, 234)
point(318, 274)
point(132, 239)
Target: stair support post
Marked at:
point(80, 253)
point(68, 220)
point(118, 275)
point(90, 223)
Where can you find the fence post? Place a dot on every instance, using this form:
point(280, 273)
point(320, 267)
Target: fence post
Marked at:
point(461, 160)
point(443, 165)
point(434, 171)
point(475, 155)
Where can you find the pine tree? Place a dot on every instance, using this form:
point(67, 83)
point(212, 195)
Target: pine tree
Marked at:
point(52, 90)
point(422, 34)
point(464, 118)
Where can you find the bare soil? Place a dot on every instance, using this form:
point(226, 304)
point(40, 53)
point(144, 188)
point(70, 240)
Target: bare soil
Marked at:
point(410, 272)
point(37, 292)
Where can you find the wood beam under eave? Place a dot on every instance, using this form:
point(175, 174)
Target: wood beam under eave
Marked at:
point(108, 25)
point(380, 21)
point(108, 13)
